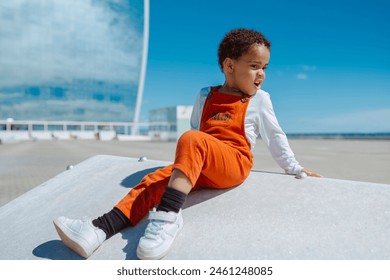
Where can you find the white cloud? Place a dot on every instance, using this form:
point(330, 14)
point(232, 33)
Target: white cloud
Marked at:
point(301, 76)
point(309, 68)
point(304, 70)
point(43, 41)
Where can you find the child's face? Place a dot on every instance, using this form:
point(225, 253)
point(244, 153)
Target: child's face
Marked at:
point(248, 71)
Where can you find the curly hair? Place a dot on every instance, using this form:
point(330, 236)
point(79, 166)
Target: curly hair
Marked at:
point(237, 42)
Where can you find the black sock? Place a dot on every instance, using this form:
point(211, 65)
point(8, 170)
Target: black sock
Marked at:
point(172, 200)
point(112, 222)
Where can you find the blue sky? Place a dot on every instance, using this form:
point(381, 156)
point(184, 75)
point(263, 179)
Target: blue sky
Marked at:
point(330, 60)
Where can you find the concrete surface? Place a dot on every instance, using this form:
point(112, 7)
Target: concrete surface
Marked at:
point(27, 164)
point(270, 216)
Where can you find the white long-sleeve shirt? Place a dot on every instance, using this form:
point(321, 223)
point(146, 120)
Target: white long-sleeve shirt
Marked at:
point(260, 120)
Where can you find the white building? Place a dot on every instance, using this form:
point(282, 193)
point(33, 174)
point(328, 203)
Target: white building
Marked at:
point(168, 124)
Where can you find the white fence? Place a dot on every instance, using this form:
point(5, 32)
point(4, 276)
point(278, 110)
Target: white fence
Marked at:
point(13, 131)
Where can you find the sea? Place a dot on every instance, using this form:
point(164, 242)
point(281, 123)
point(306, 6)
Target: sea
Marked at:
point(357, 136)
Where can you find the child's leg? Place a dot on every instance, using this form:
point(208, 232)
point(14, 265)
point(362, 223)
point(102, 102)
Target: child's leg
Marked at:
point(146, 195)
point(180, 181)
point(112, 222)
point(208, 162)
point(204, 161)
point(201, 161)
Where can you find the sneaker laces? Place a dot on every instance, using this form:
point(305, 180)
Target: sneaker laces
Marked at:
point(154, 228)
point(157, 221)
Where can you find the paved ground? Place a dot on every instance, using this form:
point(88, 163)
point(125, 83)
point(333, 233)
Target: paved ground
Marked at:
point(25, 165)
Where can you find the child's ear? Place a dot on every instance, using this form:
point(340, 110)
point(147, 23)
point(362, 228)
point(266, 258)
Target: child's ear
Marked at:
point(228, 65)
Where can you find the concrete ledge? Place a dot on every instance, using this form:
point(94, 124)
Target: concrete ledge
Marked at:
point(12, 137)
point(41, 135)
point(271, 216)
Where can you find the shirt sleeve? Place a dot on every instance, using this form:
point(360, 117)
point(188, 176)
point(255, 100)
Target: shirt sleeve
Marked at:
point(195, 115)
point(198, 108)
point(276, 139)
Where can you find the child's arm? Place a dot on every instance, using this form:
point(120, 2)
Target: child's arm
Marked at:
point(276, 140)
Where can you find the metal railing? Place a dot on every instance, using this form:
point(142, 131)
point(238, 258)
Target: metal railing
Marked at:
point(127, 128)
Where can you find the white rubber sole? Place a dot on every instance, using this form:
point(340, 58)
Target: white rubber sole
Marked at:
point(65, 234)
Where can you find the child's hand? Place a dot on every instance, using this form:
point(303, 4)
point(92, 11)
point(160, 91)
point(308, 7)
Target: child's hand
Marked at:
point(311, 173)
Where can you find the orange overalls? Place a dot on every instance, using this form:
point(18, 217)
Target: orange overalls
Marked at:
point(216, 156)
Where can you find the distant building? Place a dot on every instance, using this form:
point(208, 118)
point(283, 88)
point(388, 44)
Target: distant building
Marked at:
point(73, 60)
point(168, 124)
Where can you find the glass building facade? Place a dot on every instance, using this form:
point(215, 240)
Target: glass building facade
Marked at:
point(72, 60)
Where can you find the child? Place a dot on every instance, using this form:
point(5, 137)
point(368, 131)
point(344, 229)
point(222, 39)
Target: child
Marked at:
point(215, 153)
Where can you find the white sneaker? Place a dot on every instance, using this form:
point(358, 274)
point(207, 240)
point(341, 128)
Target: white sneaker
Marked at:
point(159, 234)
point(79, 235)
